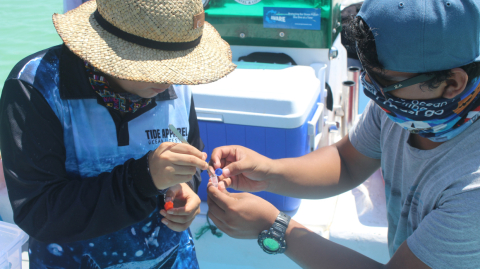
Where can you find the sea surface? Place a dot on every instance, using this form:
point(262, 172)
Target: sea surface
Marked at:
point(25, 27)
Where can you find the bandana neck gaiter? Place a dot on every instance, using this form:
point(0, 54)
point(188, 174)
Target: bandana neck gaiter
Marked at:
point(436, 119)
point(123, 102)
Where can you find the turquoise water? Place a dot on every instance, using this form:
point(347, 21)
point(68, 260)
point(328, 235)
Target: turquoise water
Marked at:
point(25, 27)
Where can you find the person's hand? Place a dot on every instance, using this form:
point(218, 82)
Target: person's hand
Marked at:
point(243, 168)
point(186, 205)
point(173, 163)
point(240, 215)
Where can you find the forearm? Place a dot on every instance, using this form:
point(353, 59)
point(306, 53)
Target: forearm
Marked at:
point(315, 175)
point(323, 173)
point(310, 250)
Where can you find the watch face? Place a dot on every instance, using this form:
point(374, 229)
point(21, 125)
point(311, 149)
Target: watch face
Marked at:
point(271, 244)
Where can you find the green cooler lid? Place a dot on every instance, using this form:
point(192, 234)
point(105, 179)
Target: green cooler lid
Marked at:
point(276, 23)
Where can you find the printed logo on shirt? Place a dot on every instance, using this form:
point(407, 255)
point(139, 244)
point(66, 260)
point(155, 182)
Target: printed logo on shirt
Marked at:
point(158, 136)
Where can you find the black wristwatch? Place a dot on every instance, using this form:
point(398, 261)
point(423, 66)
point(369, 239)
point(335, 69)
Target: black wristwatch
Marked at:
point(272, 241)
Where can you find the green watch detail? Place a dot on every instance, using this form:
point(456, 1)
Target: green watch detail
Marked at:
point(271, 244)
point(272, 241)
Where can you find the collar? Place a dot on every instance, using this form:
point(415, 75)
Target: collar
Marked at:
point(74, 82)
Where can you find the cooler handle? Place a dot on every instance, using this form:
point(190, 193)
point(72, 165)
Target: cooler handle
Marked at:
point(315, 127)
point(209, 117)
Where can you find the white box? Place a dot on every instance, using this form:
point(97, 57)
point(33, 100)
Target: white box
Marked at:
point(12, 239)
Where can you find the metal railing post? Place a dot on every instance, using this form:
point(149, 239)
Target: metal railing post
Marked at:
point(353, 74)
point(348, 93)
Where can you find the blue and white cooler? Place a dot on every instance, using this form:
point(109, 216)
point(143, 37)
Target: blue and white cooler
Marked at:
point(274, 109)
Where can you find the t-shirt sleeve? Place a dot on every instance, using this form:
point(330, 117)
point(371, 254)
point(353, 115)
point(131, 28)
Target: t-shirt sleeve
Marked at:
point(365, 134)
point(449, 236)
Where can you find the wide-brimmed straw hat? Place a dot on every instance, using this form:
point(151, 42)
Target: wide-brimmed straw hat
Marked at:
point(159, 41)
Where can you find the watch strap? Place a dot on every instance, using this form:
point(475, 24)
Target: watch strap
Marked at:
point(282, 220)
point(277, 232)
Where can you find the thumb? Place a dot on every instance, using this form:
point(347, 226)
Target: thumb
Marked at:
point(222, 187)
point(172, 192)
point(220, 197)
point(235, 168)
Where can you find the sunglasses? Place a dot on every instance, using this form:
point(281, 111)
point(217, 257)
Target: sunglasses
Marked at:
point(401, 84)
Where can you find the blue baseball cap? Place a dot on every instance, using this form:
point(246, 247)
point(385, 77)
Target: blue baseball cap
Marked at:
point(419, 36)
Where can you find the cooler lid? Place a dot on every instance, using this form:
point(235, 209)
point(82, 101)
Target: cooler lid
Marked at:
point(276, 23)
point(257, 94)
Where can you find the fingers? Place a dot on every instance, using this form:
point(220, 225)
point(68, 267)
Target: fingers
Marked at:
point(184, 149)
point(178, 223)
point(180, 178)
point(210, 171)
point(221, 198)
point(181, 170)
point(224, 154)
point(216, 211)
point(190, 207)
point(173, 163)
point(179, 219)
point(245, 217)
point(188, 161)
point(222, 185)
point(181, 154)
point(172, 192)
point(182, 159)
point(234, 160)
point(220, 224)
point(217, 215)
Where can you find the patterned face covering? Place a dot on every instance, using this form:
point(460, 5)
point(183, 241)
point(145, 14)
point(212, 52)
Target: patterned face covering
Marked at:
point(124, 102)
point(438, 119)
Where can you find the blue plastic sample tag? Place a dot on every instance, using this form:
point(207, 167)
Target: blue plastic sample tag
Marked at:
point(291, 18)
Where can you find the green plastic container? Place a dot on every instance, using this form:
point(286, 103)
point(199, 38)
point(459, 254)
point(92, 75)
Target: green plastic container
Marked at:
point(241, 22)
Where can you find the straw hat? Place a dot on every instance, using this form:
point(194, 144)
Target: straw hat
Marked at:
point(159, 41)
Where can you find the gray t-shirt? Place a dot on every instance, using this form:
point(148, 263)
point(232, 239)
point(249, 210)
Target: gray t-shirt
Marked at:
point(433, 196)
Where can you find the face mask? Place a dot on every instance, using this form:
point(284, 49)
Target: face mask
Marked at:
point(124, 102)
point(438, 119)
